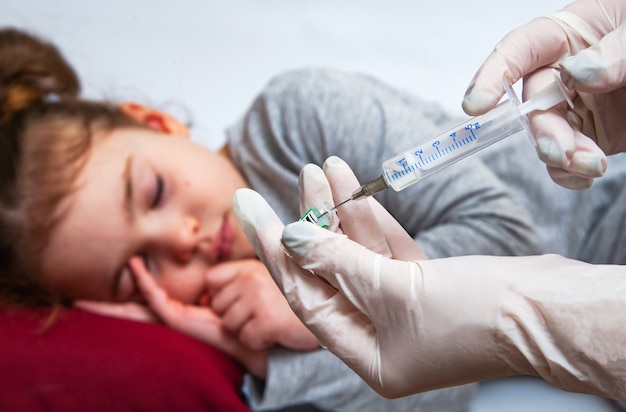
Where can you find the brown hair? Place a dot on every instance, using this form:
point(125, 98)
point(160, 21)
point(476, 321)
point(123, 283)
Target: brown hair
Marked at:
point(46, 134)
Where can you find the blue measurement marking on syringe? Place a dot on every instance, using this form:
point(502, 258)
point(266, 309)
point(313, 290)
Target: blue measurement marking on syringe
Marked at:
point(424, 157)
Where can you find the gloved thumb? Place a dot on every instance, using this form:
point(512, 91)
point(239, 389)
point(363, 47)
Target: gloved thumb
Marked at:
point(599, 68)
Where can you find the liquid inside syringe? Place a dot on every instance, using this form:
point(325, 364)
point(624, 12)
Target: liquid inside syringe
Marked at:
point(506, 119)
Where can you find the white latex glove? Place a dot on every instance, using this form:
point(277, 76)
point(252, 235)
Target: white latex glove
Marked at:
point(570, 142)
point(408, 327)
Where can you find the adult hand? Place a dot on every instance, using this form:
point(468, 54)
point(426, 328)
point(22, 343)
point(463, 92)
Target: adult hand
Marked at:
point(569, 141)
point(376, 313)
point(410, 326)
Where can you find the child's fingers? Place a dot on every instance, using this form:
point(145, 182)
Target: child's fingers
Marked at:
point(222, 274)
point(195, 321)
point(231, 282)
point(221, 286)
point(156, 297)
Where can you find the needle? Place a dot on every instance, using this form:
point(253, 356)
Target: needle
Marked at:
point(335, 207)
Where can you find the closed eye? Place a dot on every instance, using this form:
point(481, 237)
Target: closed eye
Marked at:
point(158, 192)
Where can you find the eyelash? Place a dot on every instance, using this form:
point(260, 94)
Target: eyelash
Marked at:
point(158, 193)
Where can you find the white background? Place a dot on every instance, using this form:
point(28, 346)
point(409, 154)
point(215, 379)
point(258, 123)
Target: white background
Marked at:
point(206, 60)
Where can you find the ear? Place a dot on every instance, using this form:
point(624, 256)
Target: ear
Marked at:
point(154, 119)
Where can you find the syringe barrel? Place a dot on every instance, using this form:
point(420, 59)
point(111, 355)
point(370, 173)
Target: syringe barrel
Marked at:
point(414, 164)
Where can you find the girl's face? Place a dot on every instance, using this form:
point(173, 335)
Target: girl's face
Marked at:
point(148, 194)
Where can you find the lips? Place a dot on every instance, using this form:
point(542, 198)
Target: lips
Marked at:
point(223, 243)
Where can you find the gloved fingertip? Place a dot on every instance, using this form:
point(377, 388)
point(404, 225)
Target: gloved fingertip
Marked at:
point(252, 211)
point(310, 169)
point(334, 161)
point(244, 200)
point(588, 164)
point(300, 237)
point(580, 71)
point(468, 104)
point(311, 173)
point(296, 237)
point(476, 102)
point(551, 152)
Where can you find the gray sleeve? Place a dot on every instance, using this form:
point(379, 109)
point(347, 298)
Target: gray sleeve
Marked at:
point(332, 386)
point(599, 225)
point(587, 225)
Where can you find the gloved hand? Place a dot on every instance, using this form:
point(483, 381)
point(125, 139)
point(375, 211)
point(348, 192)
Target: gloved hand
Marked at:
point(570, 142)
point(410, 326)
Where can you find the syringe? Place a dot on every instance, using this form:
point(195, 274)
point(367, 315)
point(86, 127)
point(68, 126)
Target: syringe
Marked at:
point(467, 138)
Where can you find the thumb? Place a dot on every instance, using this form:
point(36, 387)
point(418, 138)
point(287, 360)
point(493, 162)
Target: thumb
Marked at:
point(599, 68)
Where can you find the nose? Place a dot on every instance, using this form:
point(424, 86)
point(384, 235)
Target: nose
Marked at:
point(185, 239)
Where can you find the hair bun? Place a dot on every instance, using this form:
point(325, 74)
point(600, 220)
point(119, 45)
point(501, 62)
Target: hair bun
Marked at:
point(31, 71)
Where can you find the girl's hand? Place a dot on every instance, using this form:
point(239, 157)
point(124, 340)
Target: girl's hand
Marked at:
point(250, 305)
point(127, 310)
point(196, 321)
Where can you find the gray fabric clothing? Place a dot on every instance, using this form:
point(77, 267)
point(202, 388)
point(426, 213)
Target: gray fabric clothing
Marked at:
point(308, 115)
point(588, 225)
point(321, 379)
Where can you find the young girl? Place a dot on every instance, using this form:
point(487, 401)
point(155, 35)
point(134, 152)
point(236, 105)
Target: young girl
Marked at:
point(92, 192)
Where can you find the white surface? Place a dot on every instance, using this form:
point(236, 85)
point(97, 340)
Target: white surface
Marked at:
point(209, 58)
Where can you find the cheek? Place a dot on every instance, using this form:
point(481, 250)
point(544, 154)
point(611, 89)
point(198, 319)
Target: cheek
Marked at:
point(242, 249)
point(73, 275)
